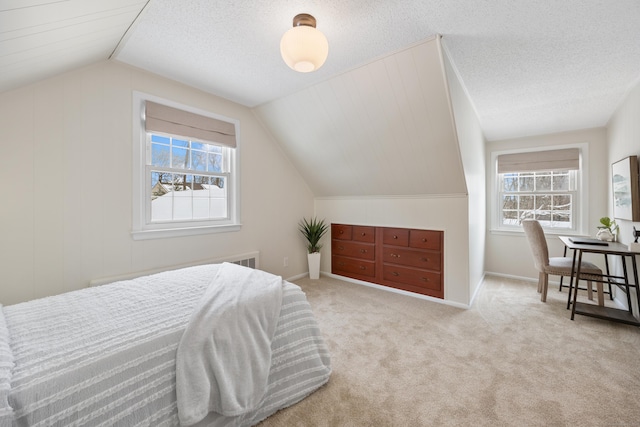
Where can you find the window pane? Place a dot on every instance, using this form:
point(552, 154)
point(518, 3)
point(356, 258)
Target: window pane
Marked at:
point(526, 202)
point(544, 217)
point(543, 182)
point(182, 185)
point(543, 202)
point(509, 217)
point(161, 196)
point(179, 158)
point(160, 155)
point(526, 182)
point(510, 182)
point(562, 202)
point(161, 139)
point(180, 143)
point(198, 160)
point(217, 197)
point(561, 182)
point(510, 202)
point(539, 196)
point(215, 162)
point(158, 188)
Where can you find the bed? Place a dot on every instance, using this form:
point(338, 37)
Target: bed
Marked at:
point(108, 355)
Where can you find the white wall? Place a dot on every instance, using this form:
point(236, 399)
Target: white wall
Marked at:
point(472, 150)
point(509, 253)
point(432, 213)
point(66, 170)
point(623, 135)
point(461, 217)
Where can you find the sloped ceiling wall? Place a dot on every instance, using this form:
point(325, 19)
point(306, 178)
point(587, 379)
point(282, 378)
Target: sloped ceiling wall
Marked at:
point(383, 129)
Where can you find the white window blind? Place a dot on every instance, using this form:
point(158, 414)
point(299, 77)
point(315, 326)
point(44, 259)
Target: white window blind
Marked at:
point(551, 160)
point(161, 118)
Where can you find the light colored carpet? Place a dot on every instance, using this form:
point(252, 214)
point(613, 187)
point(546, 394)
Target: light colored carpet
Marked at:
point(510, 360)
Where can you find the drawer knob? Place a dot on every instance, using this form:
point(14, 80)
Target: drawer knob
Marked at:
point(424, 239)
point(395, 273)
point(341, 232)
point(425, 259)
point(363, 251)
point(362, 267)
point(395, 237)
point(341, 264)
point(395, 256)
point(363, 234)
point(425, 279)
point(341, 248)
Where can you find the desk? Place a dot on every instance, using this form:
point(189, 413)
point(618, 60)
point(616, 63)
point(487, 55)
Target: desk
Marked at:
point(615, 249)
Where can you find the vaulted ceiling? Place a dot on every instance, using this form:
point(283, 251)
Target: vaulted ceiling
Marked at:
point(385, 128)
point(528, 68)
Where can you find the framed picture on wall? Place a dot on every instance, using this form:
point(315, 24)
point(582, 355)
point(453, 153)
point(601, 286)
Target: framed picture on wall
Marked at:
point(626, 200)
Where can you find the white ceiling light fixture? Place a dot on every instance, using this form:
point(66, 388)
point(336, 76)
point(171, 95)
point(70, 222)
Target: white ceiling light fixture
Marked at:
point(304, 48)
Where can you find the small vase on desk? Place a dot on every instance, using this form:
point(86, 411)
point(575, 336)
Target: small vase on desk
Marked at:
point(605, 235)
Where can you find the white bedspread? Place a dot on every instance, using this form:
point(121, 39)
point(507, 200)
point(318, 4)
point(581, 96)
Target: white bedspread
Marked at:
point(224, 356)
point(106, 356)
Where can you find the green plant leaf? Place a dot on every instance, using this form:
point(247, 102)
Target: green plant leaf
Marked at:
point(313, 230)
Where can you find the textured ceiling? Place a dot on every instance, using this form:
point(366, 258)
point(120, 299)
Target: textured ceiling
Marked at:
point(530, 67)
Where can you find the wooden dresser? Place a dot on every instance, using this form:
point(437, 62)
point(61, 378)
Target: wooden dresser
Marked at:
point(403, 258)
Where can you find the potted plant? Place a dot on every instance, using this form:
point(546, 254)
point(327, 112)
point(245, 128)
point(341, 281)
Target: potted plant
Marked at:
point(607, 231)
point(313, 230)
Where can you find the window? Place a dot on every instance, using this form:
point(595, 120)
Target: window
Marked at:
point(547, 196)
point(546, 185)
point(186, 180)
point(185, 171)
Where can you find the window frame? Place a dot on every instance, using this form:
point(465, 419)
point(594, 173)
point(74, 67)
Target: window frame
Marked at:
point(580, 206)
point(143, 228)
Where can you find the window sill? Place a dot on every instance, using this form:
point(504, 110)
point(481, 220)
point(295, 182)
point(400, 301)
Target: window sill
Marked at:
point(518, 232)
point(167, 233)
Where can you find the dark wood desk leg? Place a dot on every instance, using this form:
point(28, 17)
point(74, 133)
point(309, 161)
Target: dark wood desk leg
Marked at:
point(577, 284)
point(626, 281)
point(635, 279)
point(573, 267)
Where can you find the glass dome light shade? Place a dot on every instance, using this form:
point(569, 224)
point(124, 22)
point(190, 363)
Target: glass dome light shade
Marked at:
point(304, 48)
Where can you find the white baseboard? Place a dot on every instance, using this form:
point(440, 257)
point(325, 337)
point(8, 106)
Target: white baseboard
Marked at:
point(397, 291)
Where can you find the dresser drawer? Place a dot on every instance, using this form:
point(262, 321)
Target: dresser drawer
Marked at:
point(425, 239)
point(353, 249)
point(395, 236)
point(412, 276)
point(364, 234)
point(412, 258)
point(342, 232)
point(353, 266)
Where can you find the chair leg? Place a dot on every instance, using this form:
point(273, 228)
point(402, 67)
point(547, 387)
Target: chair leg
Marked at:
point(545, 287)
point(600, 291)
point(541, 277)
point(590, 290)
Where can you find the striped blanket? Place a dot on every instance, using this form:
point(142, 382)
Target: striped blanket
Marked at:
point(107, 355)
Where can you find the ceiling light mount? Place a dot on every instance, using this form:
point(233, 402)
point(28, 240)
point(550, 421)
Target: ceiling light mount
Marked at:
point(304, 19)
point(304, 48)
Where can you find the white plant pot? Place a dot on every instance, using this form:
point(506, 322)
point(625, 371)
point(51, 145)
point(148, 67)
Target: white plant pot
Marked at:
point(314, 265)
point(605, 235)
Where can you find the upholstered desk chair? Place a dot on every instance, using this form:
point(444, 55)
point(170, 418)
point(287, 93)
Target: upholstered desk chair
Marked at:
point(557, 266)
